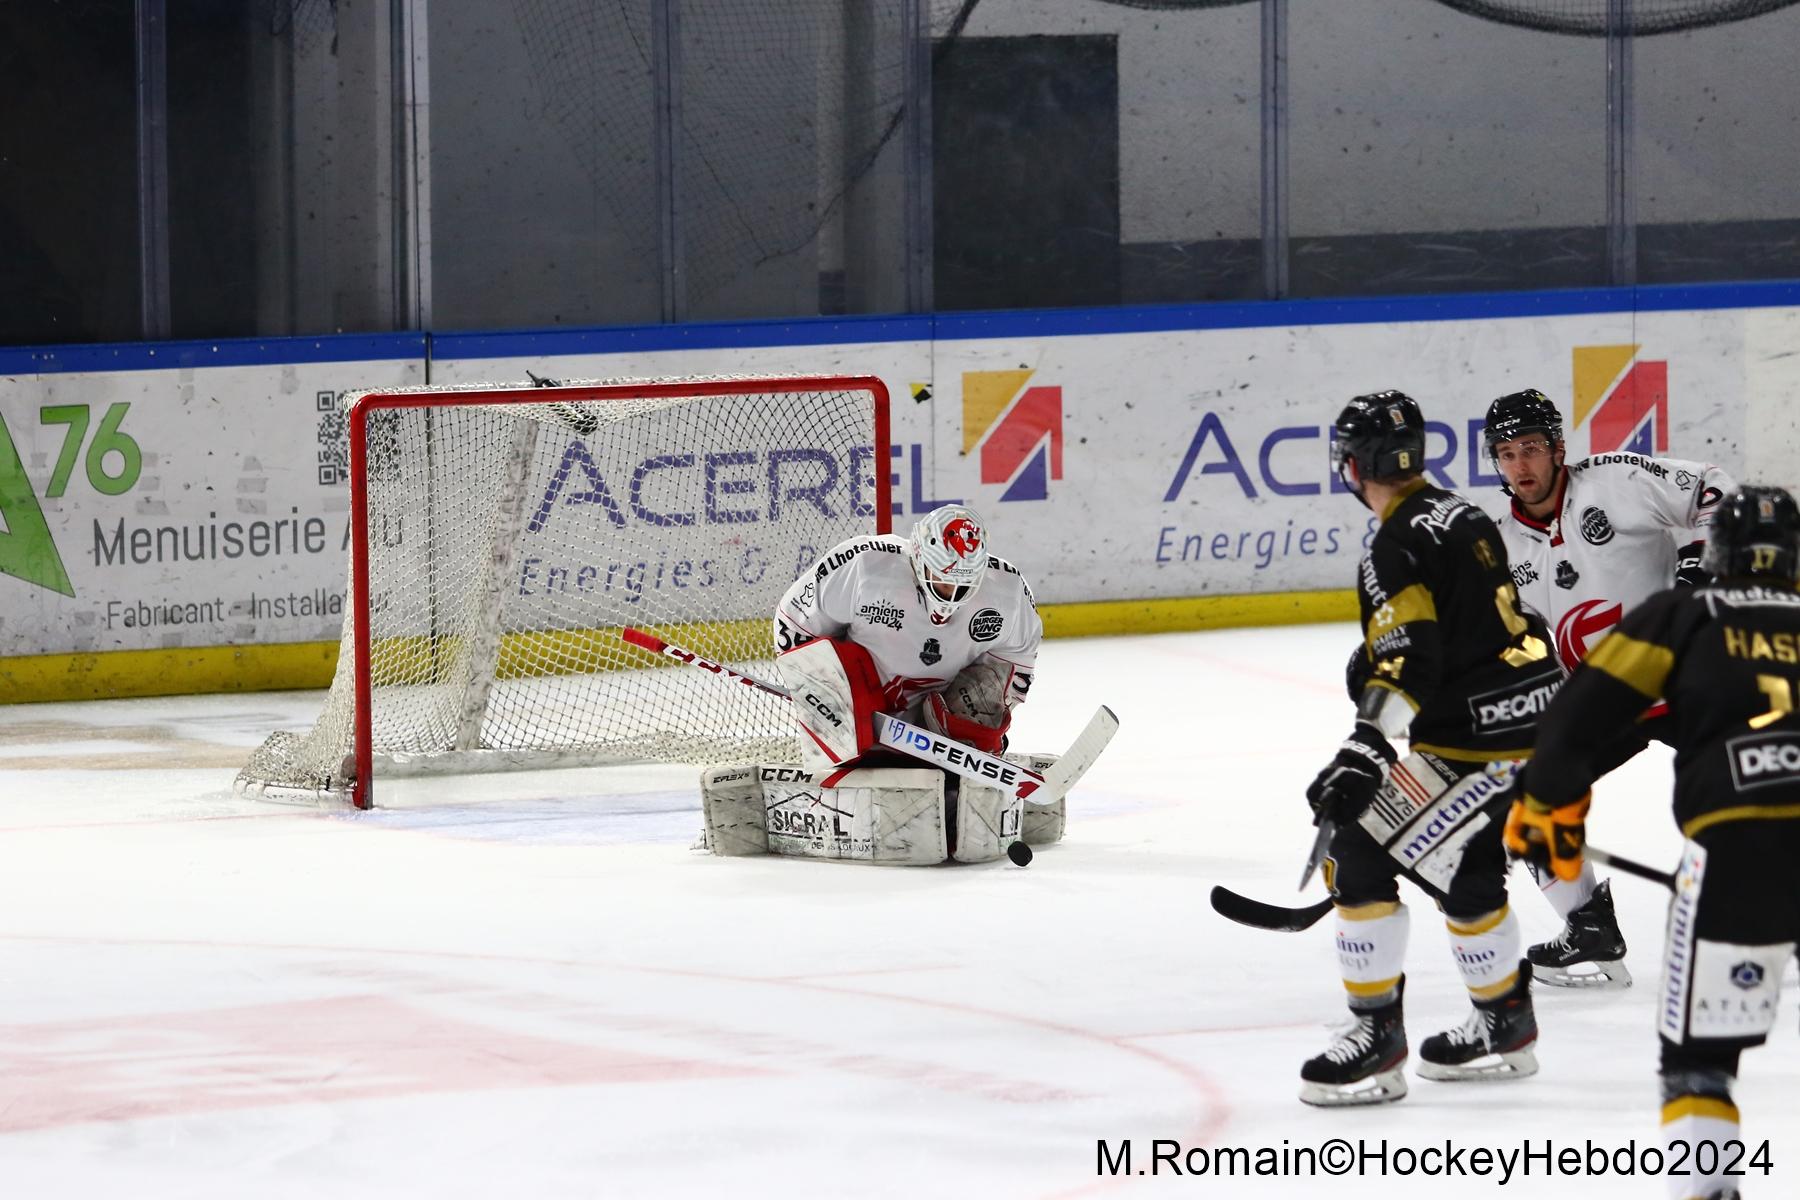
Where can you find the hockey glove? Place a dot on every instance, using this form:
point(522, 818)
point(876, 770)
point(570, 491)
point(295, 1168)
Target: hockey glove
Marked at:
point(1346, 786)
point(1687, 566)
point(1550, 839)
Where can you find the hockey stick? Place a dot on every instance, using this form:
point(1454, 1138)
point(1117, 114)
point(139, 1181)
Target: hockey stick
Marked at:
point(1026, 784)
point(1258, 915)
point(1631, 867)
point(1254, 913)
point(1321, 844)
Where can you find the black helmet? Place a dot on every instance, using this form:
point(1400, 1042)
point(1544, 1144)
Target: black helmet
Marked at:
point(1756, 531)
point(1383, 434)
point(1519, 413)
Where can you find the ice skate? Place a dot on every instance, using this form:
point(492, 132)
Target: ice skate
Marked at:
point(1364, 1066)
point(1589, 952)
point(1493, 1043)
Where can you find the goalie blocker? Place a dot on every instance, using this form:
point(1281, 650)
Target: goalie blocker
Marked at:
point(904, 816)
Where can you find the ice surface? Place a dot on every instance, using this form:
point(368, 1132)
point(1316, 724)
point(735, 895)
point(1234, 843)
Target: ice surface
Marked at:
point(528, 986)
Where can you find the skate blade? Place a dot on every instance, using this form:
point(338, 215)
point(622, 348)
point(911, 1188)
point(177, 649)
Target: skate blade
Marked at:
point(1383, 1087)
point(1514, 1064)
point(1604, 977)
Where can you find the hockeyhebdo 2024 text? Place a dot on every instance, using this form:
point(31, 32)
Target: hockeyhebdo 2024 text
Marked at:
point(1212, 451)
point(1529, 1158)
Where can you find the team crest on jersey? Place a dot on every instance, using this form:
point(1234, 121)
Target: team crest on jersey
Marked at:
point(932, 654)
point(1595, 527)
point(1582, 627)
point(985, 625)
point(1566, 574)
point(882, 614)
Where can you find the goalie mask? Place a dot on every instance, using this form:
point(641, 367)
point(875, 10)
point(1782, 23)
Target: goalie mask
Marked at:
point(1755, 533)
point(949, 558)
point(1383, 433)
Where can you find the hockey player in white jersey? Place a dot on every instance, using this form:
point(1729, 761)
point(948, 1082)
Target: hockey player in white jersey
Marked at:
point(1588, 541)
point(932, 628)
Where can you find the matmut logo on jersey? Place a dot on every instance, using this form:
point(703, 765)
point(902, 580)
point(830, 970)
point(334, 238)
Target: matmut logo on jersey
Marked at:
point(1621, 399)
point(1019, 429)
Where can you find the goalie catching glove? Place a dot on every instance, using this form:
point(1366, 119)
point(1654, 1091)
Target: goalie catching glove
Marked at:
point(972, 710)
point(1551, 839)
point(1347, 786)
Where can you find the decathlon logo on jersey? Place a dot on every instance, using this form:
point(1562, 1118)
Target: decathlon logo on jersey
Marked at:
point(1622, 400)
point(1018, 428)
point(1500, 711)
point(1762, 760)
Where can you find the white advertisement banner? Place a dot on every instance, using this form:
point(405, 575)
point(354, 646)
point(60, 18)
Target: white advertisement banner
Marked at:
point(150, 509)
point(147, 509)
point(1196, 462)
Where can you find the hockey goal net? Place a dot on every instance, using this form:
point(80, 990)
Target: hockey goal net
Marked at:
point(501, 536)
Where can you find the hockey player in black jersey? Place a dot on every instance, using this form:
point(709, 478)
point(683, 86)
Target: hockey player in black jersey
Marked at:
point(1451, 661)
point(1726, 658)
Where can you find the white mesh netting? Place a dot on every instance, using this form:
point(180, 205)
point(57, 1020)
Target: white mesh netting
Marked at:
point(509, 542)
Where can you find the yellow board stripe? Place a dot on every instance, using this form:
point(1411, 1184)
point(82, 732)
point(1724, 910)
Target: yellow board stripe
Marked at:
point(1699, 1106)
point(298, 665)
point(1642, 666)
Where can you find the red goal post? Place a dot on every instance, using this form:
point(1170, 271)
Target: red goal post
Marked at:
point(501, 535)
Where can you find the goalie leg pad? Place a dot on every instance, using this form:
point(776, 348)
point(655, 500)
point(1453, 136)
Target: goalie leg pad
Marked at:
point(889, 815)
point(733, 810)
point(1043, 824)
point(987, 822)
point(836, 690)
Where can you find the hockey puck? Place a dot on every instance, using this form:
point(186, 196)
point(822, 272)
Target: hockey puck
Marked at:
point(1020, 853)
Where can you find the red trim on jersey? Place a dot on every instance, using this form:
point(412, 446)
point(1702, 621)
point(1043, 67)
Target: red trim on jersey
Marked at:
point(1526, 519)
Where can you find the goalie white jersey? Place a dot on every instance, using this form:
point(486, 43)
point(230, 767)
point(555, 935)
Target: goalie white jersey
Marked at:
point(863, 590)
point(1615, 539)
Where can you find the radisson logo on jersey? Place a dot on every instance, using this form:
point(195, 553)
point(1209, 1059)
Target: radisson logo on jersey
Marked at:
point(1621, 400)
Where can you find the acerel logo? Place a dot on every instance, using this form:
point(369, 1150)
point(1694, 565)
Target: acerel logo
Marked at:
point(1018, 428)
point(1621, 399)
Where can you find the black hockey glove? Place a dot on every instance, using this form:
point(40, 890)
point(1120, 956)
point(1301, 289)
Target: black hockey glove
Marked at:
point(1687, 566)
point(1345, 787)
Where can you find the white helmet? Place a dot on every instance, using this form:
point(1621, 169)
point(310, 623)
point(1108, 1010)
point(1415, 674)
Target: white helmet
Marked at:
point(949, 558)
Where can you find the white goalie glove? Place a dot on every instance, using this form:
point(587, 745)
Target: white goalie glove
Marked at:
point(973, 708)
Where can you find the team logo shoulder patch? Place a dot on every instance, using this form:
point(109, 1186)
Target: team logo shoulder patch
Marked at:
point(1595, 527)
point(932, 652)
point(985, 625)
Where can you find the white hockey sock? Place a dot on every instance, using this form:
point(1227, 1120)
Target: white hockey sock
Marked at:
point(1694, 1120)
point(1371, 951)
point(1486, 950)
point(1564, 897)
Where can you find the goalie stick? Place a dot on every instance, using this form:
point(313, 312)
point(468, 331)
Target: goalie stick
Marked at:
point(1281, 919)
point(1030, 786)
